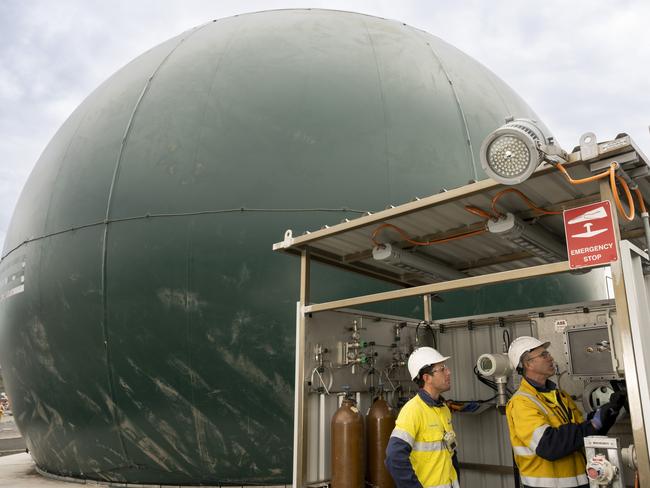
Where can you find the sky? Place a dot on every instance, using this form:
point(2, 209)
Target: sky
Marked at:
point(581, 65)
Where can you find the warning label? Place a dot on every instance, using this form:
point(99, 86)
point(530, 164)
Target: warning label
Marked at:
point(590, 236)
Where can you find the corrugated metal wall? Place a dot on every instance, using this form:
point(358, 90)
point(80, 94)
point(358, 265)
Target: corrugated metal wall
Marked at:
point(482, 438)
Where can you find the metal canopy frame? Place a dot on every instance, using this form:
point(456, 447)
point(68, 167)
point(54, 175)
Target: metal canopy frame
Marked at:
point(349, 244)
point(485, 259)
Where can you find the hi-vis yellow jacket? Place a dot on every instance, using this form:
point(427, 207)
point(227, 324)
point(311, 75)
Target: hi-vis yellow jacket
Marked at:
point(547, 434)
point(416, 454)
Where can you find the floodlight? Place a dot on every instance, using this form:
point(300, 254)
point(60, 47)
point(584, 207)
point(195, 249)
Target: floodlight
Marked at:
point(510, 154)
point(532, 238)
point(427, 267)
point(497, 365)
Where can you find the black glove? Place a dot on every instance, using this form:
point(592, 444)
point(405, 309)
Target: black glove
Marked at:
point(618, 399)
point(608, 414)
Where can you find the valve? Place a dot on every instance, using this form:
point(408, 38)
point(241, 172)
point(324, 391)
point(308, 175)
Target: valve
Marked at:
point(319, 357)
point(600, 470)
point(397, 329)
point(351, 354)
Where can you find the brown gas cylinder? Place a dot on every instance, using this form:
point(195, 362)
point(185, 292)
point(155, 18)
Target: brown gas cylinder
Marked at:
point(347, 446)
point(380, 422)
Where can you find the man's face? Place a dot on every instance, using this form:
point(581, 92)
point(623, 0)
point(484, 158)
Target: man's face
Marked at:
point(439, 378)
point(540, 361)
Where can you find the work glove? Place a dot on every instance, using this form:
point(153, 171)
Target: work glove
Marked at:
point(597, 419)
point(618, 399)
point(471, 407)
point(607, 415)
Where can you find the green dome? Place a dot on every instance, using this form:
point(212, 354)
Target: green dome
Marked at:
point(152, 340)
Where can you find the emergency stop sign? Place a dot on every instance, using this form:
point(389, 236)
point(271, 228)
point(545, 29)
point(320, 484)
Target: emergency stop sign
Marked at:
point(590, 237)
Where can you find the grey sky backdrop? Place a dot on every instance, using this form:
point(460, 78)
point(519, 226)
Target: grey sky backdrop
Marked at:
point(582, 65)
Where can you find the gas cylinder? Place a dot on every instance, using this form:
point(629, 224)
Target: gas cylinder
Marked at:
point(347, 446)
point(380, 422)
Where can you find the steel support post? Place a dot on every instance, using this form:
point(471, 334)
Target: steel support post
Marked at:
point(426, 299)
point(629, 359)
point(300, 414)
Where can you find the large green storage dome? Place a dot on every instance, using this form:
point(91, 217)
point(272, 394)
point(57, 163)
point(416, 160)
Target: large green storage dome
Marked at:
point(147, 329)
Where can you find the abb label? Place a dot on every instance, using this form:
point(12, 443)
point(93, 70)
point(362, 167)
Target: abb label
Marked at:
point(590, 236)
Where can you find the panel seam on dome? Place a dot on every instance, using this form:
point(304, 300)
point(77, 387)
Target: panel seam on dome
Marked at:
point(459, 105)
point(109, 370)
point(47, 215)
point(180, 214)
point(60, 170)
point(383, 105)
point(213, 83)
point(204, 454)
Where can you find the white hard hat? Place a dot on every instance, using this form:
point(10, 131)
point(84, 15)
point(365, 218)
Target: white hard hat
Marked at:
point(521, 345)
point(424, 356)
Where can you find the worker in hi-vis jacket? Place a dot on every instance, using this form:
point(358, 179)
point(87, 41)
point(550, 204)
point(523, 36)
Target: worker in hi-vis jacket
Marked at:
point(421, 451)
point(547, 430)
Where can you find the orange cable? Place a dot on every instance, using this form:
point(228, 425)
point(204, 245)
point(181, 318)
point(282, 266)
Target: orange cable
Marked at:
point(630, 203)
point(480, 212)
point(459, 236)
point(639, 196)
point(611, 173)
point(528, 201)
point(599, 176)
point(406, 237)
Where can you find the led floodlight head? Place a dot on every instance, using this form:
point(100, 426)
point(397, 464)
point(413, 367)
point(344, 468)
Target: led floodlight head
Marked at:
point(510, 154)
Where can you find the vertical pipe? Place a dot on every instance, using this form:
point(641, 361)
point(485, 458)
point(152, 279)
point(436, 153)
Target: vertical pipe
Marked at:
point(645, 217)
point(629, 363)
point(428, 316)
point(427, 307)
point(502, 393)
point(305, 268)
point(322, 424)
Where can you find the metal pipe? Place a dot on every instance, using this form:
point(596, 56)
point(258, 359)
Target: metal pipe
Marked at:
point(646, 228)
point(502, 393)
point(321, 436)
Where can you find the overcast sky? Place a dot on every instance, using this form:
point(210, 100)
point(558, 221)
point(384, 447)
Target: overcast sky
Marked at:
point(582, 65)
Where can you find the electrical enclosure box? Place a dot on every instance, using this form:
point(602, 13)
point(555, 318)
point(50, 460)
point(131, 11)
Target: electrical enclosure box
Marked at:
point(589, 352)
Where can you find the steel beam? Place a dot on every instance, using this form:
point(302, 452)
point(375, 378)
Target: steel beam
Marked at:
point(473, 281)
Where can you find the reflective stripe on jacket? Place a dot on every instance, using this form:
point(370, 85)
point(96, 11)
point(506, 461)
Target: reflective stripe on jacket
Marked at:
point(547, 434)
point(419, 430)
